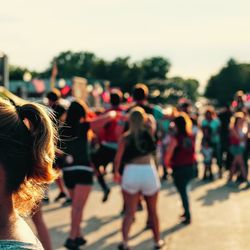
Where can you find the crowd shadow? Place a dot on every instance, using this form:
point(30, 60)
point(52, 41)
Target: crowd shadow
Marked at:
point(100, 243)
point(148, 244)
point(196, 183)
point(60, 232)
point(219, 194)
point(94, 222)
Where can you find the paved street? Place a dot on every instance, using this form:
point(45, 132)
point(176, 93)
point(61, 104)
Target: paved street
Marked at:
point(220, 219)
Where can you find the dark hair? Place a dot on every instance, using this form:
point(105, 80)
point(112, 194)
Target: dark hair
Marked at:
point(115, 97)
point(27, 150)
point(183, 124)
point(54, 95)
point(76, 111)
point(140, 92)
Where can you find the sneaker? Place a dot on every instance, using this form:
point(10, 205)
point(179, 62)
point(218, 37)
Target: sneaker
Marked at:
point(80, 241)
point(46, 200)
point(68, 202)
point(186, 221)
point(106, 195)
point(60, 196)
point(123, 247)
point(160, 244)
point(148, 226)
point(122, 211)
point(71, 244)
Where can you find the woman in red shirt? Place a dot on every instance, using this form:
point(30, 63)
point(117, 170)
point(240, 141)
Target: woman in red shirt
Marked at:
point(180, 156)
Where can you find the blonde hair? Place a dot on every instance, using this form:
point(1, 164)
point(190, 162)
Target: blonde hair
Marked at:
point(235, 118)
point(137, 119)
point(137, 125)
point(27, 152)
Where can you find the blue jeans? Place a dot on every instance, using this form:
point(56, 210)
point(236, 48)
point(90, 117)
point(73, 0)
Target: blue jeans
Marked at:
point(182, 176)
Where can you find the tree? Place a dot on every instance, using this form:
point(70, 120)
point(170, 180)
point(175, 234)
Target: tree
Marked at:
point(171, 90)
point(118, 71)
point(16, 73)
point(155, 68)
point(230, 79)
point(73, 64)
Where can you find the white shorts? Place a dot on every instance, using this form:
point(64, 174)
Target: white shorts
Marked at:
point(141, 178)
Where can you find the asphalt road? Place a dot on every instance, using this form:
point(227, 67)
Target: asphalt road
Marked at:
point(220, 219)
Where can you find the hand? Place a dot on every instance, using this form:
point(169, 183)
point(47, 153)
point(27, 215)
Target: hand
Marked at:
point(117, 178)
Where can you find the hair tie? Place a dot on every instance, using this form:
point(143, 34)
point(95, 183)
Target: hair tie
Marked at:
point(25, 121)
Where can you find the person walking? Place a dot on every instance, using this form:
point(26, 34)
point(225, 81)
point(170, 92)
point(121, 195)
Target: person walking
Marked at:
point(77, 170)
point(135, 150)
point(180, 155)
point(238, 138)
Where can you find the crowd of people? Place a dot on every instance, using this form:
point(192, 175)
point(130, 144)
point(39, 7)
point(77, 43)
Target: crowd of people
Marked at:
point(137, 139)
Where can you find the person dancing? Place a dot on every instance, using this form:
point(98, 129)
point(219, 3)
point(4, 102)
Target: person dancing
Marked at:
point(180, 156)
point(135, 149)
point(78, 171)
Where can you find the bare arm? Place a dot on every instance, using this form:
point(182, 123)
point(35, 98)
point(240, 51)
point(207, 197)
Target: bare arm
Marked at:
point(100, 121)
point(119, 154)
point(152, 124)
point(170, 151)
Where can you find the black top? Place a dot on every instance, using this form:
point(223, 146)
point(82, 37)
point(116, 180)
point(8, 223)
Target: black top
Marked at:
point(146, 145)
point(76, 146)
point(59, 110)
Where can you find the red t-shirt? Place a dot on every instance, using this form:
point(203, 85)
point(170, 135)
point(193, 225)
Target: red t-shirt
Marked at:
point(184, 153)
point(112, 130)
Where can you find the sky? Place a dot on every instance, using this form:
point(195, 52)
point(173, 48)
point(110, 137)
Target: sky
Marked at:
point(197, 36)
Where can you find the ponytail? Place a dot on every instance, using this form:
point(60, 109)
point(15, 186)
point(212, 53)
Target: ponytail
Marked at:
point(27, 151)
point(37, 120)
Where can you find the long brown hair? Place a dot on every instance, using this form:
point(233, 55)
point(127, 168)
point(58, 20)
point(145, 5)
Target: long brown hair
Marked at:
point(137, 125)
point(27, 151)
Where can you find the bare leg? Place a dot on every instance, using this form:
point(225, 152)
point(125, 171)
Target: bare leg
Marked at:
point(233, 168)
point(153, 216)
point(131, 202)
point(80, 196)
point(60, 184)
point(42, 230)
point(71, 193)
point(241, 163)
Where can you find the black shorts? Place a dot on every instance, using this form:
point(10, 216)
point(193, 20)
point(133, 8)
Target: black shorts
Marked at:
point(58, 164)
point(77, 176)
point(103, 156)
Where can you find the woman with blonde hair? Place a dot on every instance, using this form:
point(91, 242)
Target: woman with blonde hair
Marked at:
point(135, 150)
point(238, 139)
point(27, 150)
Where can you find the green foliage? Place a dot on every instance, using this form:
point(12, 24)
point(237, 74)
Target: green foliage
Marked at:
point(170, 90)
point(122, 73)
point(16, 72)
point(155, 67)
point(231, 78)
